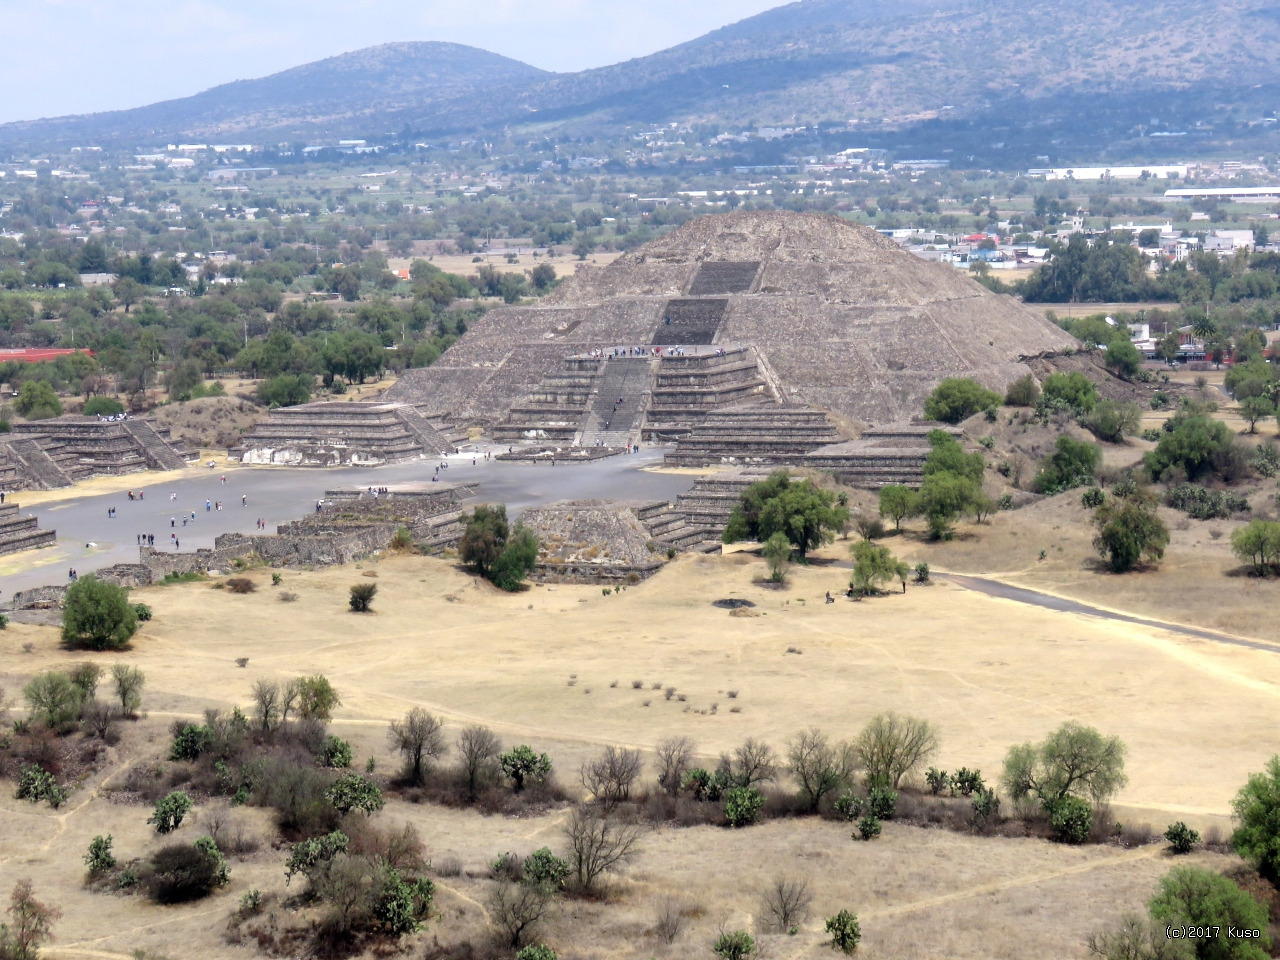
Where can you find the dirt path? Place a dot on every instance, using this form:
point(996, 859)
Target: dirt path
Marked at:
point(1036, 598)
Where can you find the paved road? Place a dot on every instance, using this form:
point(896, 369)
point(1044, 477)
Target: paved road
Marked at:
point(1005, 591)
point(89, 540)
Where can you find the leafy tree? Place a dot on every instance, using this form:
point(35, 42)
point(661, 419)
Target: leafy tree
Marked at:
point(1073, 761)
point(874, 565)
point(351, 791)
point(286, 390)
point(317, 698)
point(1191, 443)
point(1209, 904)
point(807, 515)
point(845, 931)
point(37, 401)
point(128, 683)
point(1129, 529)
point(1073, 463)
point(958, 399)
point(521, 766)
point(1072, 391)
point(897, 503)
point(53, 699)
point(484, 537)
point(97, 615)
point(943, 498)
point(170, 811)
point(1071, 819)
point(1253, 409)
point(891, 746)
point(1123, 358)
point(1111, 422)
point(777, 554)
point(518, 559)
point(30, 924)
point(1257, 813)
point(1258, 543)
point(946, 455)
point(419, 738)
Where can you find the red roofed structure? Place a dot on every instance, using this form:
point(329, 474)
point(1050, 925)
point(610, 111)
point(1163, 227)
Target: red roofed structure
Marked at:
point(38, 354)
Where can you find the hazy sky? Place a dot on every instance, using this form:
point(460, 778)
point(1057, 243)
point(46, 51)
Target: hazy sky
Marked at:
point(81, 56)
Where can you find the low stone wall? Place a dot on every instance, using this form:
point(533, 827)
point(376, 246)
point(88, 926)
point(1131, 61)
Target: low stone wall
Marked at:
point(38, 597)
point(604, 573)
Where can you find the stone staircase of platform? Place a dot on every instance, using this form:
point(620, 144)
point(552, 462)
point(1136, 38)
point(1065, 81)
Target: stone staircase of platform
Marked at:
point(689, 388)
point(554, 412)
point(754, 433)
point(695, 523)
point(25, 464)
point(160, 455)
point(21, 532)
point(337, 434)
point(444, 426)
point(433, 443)
point(889, 454)
point(610, 423)
point(85, 447)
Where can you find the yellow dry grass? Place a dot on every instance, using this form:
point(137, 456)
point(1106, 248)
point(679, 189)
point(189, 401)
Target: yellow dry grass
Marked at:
point(987, 672)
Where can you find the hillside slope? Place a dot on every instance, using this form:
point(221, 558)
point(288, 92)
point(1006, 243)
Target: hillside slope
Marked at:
point(875, 62)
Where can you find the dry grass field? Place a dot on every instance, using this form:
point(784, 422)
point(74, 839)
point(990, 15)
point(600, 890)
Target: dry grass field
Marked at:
point(1195, 715)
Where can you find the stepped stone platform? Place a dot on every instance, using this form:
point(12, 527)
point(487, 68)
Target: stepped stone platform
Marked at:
point(46, 454)
point(593, 541)
point(757, 433)
point(331, 434)
point(696, 521)
point(837, 317)
point(21, 532)
point(526, 454)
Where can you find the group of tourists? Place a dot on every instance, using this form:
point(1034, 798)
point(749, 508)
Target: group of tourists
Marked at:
point(137, 496)
point(146, 539)
point(113, 417)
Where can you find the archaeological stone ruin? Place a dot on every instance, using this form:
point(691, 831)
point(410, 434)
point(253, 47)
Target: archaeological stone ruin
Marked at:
point(47, 454)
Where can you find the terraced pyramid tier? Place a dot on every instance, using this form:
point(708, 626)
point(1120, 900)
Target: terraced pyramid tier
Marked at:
point(339, 434)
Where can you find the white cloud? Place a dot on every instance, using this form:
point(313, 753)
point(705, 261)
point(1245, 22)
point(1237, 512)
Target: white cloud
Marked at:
point(82, 56)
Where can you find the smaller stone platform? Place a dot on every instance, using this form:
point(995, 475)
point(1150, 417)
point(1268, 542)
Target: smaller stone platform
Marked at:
point(21, 532)
point(333, 434)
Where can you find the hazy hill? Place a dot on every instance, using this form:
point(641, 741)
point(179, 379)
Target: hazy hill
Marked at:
point(349, 94)
point(1000, 66)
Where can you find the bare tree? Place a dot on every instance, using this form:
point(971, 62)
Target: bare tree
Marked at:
point(598, 845)
point(98, 718)
point(266, 704)
point(515, 909)
point(128, 682)
point(819, 766)
point(786, 904)
point(675, 756)
point(670, 920)
point(610, 777)
point(890, 747)
point(420, 739)
point(290, 691)
point(478, 749)
point(751, 763)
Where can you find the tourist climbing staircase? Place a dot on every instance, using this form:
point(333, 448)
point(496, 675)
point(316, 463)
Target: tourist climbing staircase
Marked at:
point(612, 424)
point(160, 455)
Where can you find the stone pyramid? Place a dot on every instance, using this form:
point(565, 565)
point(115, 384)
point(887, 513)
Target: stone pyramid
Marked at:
point(838, 315)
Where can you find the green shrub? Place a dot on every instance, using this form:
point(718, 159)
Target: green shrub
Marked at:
point(170, 811)
point(868, 828)
point(957, 399)
point(352, 791)
point(1200, 503)
point(1193, 444)
point(882, 803)
point(1258, 543)
point(1071, 819)
point(143, 611)
point(849, 806)
point(1129, 529)
point(967, 781)
point(937, 780)
point(190, 742)
point(844, 930)
point(1208, 904)
point(102, 406)
point(1073, 463)
point(986, 805)
point(742, 806)
point(99, 858)
point(335, 753)
point(1072, 391)
point(522, 766)
point(1093, 498)
point(183, 872)
point(536, 952)
point(1181, 837)
point(543, 869)
point(922, 572)
point(361, 599)
point(1257, 812)
point(38, 785)
point(1023, 392)
point(737, 945)
point(1111, 422)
